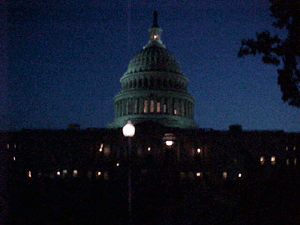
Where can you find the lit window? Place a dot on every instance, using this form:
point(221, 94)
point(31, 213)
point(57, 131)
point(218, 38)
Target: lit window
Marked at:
point(149, 149)
point(101, 148)
point(262, 160)
point(175, 112)
point(99, 174)
point(169, 143)
point(199, 150)
point(58, 173)
point(7, 146)
point(145, 106)
point(224, 175)
point(198, 174)
point(295, 161)
point(152, 106)
point(29, 174)
point(64, 173)
point(14, 158)
point(158, 107)
point(273, 160)
point(287, 148)
point(165, 108)
point(240, 175)
point(294, 148)
point(287, 162)
point(106, 150)
point(15, 145)
point(118, 164)
point(75, 173)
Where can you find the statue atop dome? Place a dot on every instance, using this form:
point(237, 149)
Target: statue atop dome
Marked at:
point(155, 24)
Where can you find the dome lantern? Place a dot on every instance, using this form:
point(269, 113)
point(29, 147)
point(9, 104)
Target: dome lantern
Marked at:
point(155, 33)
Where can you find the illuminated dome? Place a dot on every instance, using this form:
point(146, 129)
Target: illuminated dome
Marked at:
point(153, 88)
point(153, 58)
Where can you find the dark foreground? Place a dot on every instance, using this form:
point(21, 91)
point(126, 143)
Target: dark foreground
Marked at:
point(81, 201)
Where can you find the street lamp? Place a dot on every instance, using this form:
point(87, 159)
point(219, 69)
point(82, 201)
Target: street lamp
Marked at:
point(129, 131)
point(169, 139)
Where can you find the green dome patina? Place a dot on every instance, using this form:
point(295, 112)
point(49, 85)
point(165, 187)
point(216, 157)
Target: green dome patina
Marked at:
point(153, 58)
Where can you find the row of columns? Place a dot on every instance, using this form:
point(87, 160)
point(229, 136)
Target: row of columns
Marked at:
point(170, 106)
point(153, 82)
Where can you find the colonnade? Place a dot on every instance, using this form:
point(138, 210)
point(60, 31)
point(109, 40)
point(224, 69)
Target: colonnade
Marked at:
point(169, 106)
point(154, 82)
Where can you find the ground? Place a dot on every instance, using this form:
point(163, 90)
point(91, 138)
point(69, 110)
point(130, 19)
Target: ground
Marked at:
point(155, 201)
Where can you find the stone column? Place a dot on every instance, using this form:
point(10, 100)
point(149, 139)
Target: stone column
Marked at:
point(149, 101)
point(169, 110)
point(141, 105)
point(121, 107)
point(117, 109)
point(135, 102)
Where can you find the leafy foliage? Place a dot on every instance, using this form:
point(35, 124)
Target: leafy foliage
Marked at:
point(282, 52)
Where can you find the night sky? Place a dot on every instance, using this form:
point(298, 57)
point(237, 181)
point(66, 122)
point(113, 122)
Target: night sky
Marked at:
point(63, 61)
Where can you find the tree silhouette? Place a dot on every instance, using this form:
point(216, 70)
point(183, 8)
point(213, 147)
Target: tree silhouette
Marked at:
point(282, 52)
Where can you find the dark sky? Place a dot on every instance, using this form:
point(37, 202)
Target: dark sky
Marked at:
point(64, 60)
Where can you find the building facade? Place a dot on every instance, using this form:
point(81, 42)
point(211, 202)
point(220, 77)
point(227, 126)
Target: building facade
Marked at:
point(154, 96)
point(195, 153)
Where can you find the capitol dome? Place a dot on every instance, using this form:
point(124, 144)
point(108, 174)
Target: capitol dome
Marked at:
point(153, 89)
point(153, 58)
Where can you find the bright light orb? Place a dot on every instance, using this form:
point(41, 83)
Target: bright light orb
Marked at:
point(128, 129)
point(169, 143)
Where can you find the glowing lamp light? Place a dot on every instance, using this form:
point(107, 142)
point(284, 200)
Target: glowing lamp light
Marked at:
point(101, 148)
point(198, 174)
point(273, 158)
point(118, 164)
point(75, 173)
point(58, 173)
point(240, 175)
point(262, 160)
point(128, 129)
point(99, 173)
point(199, 150)
point(169, 143)
point(169, 139)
